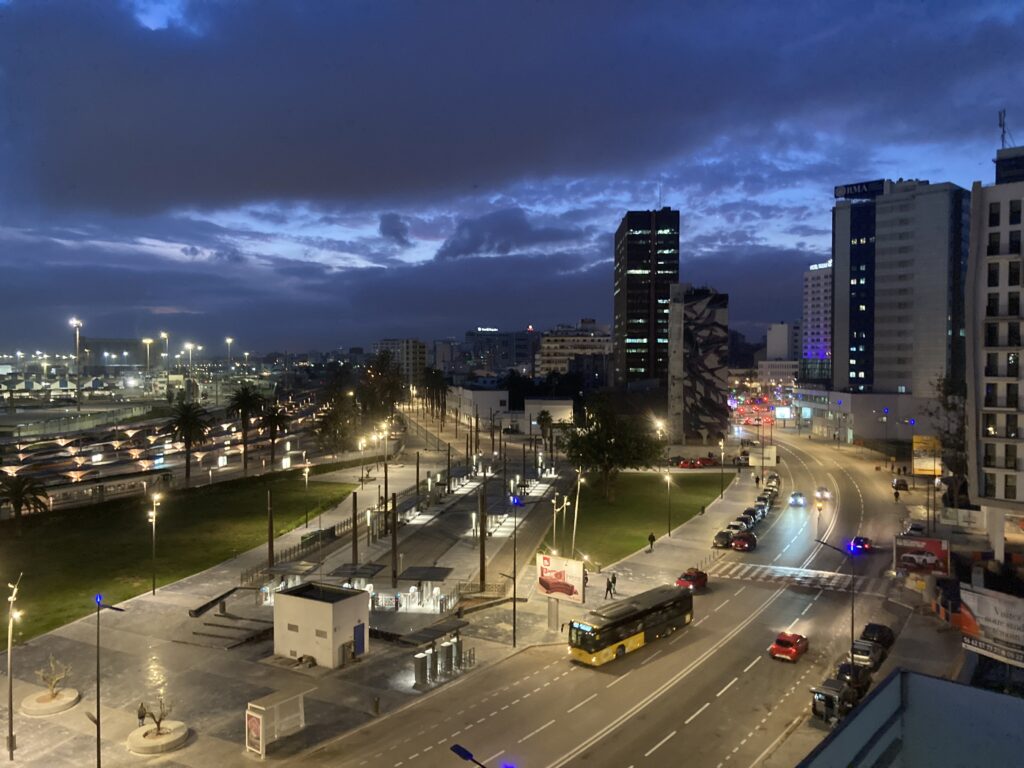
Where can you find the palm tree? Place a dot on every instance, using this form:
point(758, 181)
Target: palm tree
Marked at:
point(274, 419)
point(190, 424)
point(23, 493)
point(244, 403)
point(544, 421)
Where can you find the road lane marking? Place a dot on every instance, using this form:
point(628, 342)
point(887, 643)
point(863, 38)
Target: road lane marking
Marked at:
point(814, 599)
point(734, 594)
point(534, 733)
point(650, 657)
point(428, 748)
point(722, 605)
point(794, 621)
point(618, 680)
point(495, 756)
point(577, 706)
point(776, 558)
point(651, 751)
point(727, 687)
point(699, 622)
point(690, 719)
point(747, 668)
point(786, 548)
point(806, 609)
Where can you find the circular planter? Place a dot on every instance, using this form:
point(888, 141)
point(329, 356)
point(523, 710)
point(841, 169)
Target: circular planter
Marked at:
point(144, 741)
point(41, 705)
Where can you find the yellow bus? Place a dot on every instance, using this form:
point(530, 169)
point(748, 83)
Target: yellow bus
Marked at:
point(616, 629)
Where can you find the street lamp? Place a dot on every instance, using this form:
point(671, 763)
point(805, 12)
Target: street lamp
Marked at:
point(228, 341)
point(147, 341)
point(668, 494)
point(12, 615)
point(167, 346)
point(362, 444)
point(152, 522)
point(853, 578)
point(100, 605)
point(75, 323)
point(721, 467)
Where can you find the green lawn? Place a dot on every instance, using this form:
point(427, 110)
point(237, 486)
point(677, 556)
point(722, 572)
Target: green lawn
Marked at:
point(67, 557)
point(608, 531)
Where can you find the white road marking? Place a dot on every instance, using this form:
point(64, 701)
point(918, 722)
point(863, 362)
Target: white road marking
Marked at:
point(494, 756)
point(534, 733)
point(428, 748)
point(650, 657)
point(794, 621)
point(776, 558)
point(751, 664)
point(577, 706)
point(727, 687)
point(619, 679)
point(720, 607)
point(806, 609)
point(650, 752)
point(738, 591)
point(694, 715)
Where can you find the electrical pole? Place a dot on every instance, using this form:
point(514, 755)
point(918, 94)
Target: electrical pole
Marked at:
point(355, 529)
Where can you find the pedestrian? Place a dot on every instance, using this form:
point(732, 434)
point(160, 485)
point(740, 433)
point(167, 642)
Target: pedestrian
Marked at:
point(586, 577)
point(905, 469)
point(607, 588)
point(702, 509)
point(650, 540)
point(142, 714)
point(757, 482)
point(615, 584)
point(896, 496)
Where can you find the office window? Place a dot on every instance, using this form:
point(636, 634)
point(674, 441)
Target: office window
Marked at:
point(991, 364)
point(1011, 425)
point(1015, 212)
point(293, 627)
point(990, 484)
point(992, 308)
point(1013, 303)
point(1014, 279)
point(993, 275)
point(1013, 335)
point(322, 633)
point(1010, 487)
point(991, 334)
point(1011, 457)
point(1012, 395)
point(993, 214)
point(1013, 364)
point(1015, 241)
point(993, 243)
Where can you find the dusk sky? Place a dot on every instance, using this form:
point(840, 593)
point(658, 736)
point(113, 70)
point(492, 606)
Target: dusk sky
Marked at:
point(308, 175)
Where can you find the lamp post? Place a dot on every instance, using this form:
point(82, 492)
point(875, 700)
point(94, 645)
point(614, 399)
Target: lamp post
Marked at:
point(147, 341)
point(853, 579)
point(668, 495)
point(12, 615)
point(75, 323)
point(362, 444)
point(721, 467)
point(152, 523)
point(228, 341)
point(100, 605)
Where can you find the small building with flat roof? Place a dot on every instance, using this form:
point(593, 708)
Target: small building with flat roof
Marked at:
point(328, 623)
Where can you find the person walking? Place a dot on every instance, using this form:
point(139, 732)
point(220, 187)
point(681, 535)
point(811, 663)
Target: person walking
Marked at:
point(896, 497)
point(757, 482)
point(650, 540)
point(615, 584)
point(142, 714)
point(607, 588)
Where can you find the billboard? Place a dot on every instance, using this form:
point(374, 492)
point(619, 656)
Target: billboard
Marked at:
point(783, 412)
point(560, 578)
point(916, 554)
point(254, 739)
point(927, 456)
point(769, 456)
point(806, 413)
point(992, 623)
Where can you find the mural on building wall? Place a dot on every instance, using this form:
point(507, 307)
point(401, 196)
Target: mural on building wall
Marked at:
point(705, 410)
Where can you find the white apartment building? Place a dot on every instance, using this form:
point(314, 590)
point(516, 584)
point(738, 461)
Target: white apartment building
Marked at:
point(816, 327)
point(783, 341)
point(560, 345)
point(409, 354)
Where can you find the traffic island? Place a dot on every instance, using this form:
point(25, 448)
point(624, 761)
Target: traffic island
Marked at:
point(146, 741)
point(43, 704)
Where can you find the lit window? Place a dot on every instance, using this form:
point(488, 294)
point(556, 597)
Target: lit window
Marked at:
point(638, 271)
point(860, 375)
point(853, 281)
point(863, 308)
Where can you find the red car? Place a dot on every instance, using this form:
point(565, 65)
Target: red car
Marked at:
point(744, 541)
point(688, 464)
point(707, 461)
point(692, 578)
point(788, 646)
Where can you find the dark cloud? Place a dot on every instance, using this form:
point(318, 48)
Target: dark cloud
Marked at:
point(393, 227)
point(500, 232)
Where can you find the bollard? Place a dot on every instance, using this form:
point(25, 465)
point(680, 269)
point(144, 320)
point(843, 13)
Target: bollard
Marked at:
point(376, 706)
point(446, 658)
point(419, 662)
point(432, 664)
point(457, 651)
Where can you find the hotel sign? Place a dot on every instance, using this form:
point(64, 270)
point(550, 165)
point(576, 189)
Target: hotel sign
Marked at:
point(861, 190)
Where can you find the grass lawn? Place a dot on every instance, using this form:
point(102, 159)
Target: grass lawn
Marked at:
point(69, 556)
point(608, 531)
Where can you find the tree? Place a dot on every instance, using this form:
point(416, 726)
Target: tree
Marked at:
point(948, 414)
point(610, 443)
point(435, 389)
point(24, 494)
point(190, 424)
point(335, 430)
point(545, 422)
point(244, 403)
point(54, 676)
point(381, 386)
point(274, 419)
point(159, 716)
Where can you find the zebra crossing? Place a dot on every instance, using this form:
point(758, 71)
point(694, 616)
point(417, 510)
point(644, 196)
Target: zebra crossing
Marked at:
point(797, 577)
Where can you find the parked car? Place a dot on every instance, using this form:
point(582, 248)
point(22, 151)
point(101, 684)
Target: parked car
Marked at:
point(722, 540)
point(879, 633)
point(823, 493)
point(674, 461)
point(861, 544)
point(900, 484)
point(744, 542)
point(866, 654)
point(858, 678)
point(735, 528)
point(755, 512)
point(914, 529)
point(796, 499)
point(750, 520)
point(765, 499)
point(687, 463)
point(788, 646)
point(762, 508)
point(832, 690)
point(693, 578)
point(707, 461)
point(744, 521)
point(773, 476)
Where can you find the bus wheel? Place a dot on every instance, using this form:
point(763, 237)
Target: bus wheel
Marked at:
point(620, 652)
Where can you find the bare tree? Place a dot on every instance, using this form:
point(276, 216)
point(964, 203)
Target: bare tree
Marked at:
point(159, 717)
point(54, 676)
point(948, 414)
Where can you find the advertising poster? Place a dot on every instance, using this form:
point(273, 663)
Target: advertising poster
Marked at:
point(769, 456)
point(783, 412)
point(254, 733)
point(927, 456)
point(992, 623)
point(916, 554)
point(560, 577)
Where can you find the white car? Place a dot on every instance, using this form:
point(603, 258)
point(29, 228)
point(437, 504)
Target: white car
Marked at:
point(919, 557)
point(822, 493)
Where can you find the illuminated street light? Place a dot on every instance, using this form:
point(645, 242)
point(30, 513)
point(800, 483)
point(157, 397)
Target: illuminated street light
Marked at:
point(147, 341)
point(13, 615)
point(75, 323)
point(229, 341)
point(152, 522)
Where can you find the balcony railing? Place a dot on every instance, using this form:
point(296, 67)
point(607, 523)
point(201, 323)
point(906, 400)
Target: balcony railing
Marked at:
point(992, 462)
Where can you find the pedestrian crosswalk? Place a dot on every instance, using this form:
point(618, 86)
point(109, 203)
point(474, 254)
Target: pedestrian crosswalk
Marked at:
point(799, 577)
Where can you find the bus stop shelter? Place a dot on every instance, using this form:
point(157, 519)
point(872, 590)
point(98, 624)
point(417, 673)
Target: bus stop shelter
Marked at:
point(273, 717)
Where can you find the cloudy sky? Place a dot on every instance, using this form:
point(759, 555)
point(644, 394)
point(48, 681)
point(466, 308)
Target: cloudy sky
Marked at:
point(307, 175)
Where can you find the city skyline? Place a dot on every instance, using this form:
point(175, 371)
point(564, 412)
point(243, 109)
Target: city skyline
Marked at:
point(182, 181)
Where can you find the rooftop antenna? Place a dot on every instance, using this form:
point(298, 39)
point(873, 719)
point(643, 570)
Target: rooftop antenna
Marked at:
point(1003, 130)
point(659, 195)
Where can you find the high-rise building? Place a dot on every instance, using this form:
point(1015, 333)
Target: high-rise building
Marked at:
point(995, 412)
point(782, 341)
point(816, 328)
point(559, 346)
point(899, 257)
point(409, 354)
point(698, 376)
point(646, 266)
point(489, 350)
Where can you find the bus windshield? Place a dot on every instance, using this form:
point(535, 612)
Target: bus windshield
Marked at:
point(583, 636)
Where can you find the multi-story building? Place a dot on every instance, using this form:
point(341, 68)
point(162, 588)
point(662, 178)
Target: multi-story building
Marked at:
point(409, 354)
point(899, 256)
point(816, 325)
point(698, 376)
point(646, 266)
point(995, 413)
point(559, 346)
point(782, 341)
point(489, 350)
point(444, 355)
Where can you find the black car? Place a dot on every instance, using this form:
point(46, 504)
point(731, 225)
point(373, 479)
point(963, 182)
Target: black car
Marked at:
point(899, 484)
point(755, 512)
point(750, 520)
point(722, 540)
point(878, 633)
point(858, 678)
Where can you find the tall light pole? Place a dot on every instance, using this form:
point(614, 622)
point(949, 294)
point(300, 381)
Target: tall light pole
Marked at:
point(75, 323)
point(853, 579)
point(152, 522)
point(147, 341)
point(228, 341)
point(100, 605)
point(189, 346)
point(12, 614)
point(167, 346)
point(668, 494)
point(721, 467)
